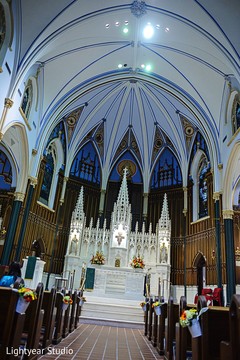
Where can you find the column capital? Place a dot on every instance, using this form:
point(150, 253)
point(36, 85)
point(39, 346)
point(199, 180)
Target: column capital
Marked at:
point(185, 188)
point(19, 196)
point(216, 196)
point(33, 181)
point(66, 178)
point(228, 214)
point(145, 195)
point(184, 212)
point(8, 103)
point(103, 191)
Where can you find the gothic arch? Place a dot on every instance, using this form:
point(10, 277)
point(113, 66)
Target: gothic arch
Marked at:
point(231, 177)
point(199, 262)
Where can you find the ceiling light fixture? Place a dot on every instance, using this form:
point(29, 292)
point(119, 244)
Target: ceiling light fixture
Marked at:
point(148, 31)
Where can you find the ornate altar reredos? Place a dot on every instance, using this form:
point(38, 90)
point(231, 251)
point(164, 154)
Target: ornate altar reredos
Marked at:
point(119, 245)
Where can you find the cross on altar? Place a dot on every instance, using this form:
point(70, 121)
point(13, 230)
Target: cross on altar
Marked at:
point(119, 238)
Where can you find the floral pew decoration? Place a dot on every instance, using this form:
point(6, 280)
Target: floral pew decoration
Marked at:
point(67, 300)
point(190, 319)
point(26, 295)
point(82, 300)
point(157, 307)
point(98, 259)
point(143, 305)
point(137, 262)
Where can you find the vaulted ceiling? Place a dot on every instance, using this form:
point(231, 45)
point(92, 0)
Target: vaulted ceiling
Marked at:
point(193, 53)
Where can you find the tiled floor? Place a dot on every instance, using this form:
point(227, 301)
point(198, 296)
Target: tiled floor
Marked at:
point(103, 342)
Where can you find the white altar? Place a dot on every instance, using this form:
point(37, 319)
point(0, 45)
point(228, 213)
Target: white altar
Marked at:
point(119, 244)
point(121, 283)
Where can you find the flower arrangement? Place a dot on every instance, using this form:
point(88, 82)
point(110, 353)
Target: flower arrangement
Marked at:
point(137, 262)
point(27, 294)
point(156, 304)
point(98, 259)
point(67, 300)
point(187, 317)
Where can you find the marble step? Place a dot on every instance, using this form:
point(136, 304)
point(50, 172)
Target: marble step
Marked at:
point(112, 312)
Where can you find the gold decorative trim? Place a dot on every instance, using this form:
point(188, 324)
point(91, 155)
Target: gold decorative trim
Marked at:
point(34, 152)
point(19, 196)
point(216, 196)
point(199, 220)
point(33, 181)
point(25, 119)
point(220, 166)
point(228, 214)
point(8, 103)
point(1, 70)
point(233, 137)
point(45, 206)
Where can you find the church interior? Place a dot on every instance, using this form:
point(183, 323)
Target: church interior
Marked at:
point(120, 136)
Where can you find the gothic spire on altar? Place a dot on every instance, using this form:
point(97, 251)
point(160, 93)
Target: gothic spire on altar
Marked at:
point(119, 244)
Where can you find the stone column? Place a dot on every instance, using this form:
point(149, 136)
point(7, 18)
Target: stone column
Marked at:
point(230, 254)
point(101, 206)
point(145, 206)
point(216, 198)
point(11, 231)
point(8, 103)
point(33, 183)
point(185, 204)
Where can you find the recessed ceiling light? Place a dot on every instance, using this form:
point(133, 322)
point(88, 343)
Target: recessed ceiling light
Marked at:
point(125, 30)
point(142, 66)
point(158, 26)
point(117, 23)
point(126, 22)
point(148, 31)
point(166, 29)
point(120, 66)
point(148, 67)
point(107, 26)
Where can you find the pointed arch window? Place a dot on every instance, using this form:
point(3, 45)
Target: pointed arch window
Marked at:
point(27, 99)
point(167, 172)
point(203, 189)
point(86, 165)
point(5, 172)
point(47, 179)
point(55, 155)
point(2, 26)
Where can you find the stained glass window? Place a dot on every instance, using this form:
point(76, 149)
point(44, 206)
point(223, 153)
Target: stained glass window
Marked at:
point(27, 99)
point(166, 172)
point(5, 172)
point(2, 26)
point(203, 190)
point(86, 165)
point(47, 179)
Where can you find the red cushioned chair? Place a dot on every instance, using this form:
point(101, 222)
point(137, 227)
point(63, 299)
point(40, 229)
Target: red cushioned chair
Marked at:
point(217, 297)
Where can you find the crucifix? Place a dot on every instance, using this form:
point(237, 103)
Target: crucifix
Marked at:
point(119, 238)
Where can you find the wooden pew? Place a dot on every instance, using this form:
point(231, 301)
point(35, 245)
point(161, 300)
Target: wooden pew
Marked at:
point(33, 323)
point(154, 327)
point(172, 319)
point(146, 317)
point(150, 319)
point(231, 349)
point(214, 330)
point(161, 329)
point(48, 305)
point(66, 315)
point(11, 323)
point(73, 312)
point(58, 330)
point(78, 308)
point(184, 339)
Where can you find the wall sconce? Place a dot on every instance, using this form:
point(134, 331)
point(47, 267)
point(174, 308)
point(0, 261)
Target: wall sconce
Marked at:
point(237, 254)
point(213, 255)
